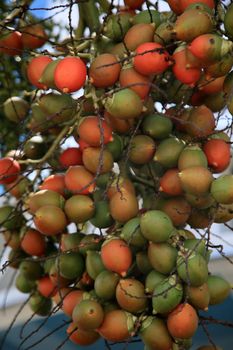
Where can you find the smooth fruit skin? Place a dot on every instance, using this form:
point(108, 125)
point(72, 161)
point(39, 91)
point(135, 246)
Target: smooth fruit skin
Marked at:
point(105, 284)
point(156, 226)
point(228, 21)
point(70, 156)
point(132, 40)
point(123, 206)
point(141, 149)
point(11, 43)
point(219, 289)
point(50, 220)
point(137, 82)
point(15, 108)
point(162, 257)
point(94, 131)
point(155, 335)
point(170, 182)
point(35, 69)
point(44, 197)
point(185, 3)
point(33, 243)
point(45, 287)
point(196, 180)
point(218, 154)
point(79, 180)
point(70, 300)
point(104, 70)
point(134, 4)
point(9, 170)
point(222, 189)
point(183, 321)
point(79, 208)
point(151, 58)
point(116, 256)
point(40, 305)
point(115, 326)
point(33, 36)
point(201, 122)
point(192, 268)
point(81, 337)
point(88, 315)
point(70, 74)
point(70, 265)
point(55, 182)
point(198, 297)
point(97, 161)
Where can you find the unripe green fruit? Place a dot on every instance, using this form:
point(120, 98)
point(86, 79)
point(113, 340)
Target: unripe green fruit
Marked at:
point(154, 334)
point(94, 265)
point(162, 257)
point(157, 126)
point(168, 152)
point(31, 269)
point(10, 218)
point(70, 265)
point(131, 233)
point(219, 289)
point(79, 208)
point(23, 284)
point(152, 280)
point(88, 315)
point(102, 217)
point(228, 21)
point(222, 189)
point(105, 284)
point(40, 305)
point(15, 108)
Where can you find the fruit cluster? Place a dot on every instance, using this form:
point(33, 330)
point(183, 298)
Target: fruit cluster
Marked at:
point(144, 183)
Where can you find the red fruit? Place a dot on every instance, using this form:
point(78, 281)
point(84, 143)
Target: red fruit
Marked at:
point(155, 61)
point(35, 70)
point(181, 68)
point(185, 3)
point(170, 182)
point(116, 256)
point(83, 144)
point(211, 85)
point(33, 243)
point(79, 180)
point(94, 130)
point(9, 170)
point(81, 337)
point(182, 322)
point(70, 74)
point(11, 43)
point(175, 6)
point(137, 82)
point(218, 154)
point(70, 300)
point(134, 4)
point(54, 183)
point(46, 287)
point(71, 156)
point(115, 326)
point(33, 36)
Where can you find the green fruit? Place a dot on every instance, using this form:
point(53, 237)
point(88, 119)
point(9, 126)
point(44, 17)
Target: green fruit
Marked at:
point(58, 107)
point(44, 197)
point(162, 257)
point(47, 77)
point(192, 156)
point(152, 280)
point(219, 289)
point(115, 146)
point(196, 180)
point(157, 126)
point(105, 284)
point(146, 16)
point(35, 147)
point(124, 104)
point(154, 334)
point(15, 257)
point(192, 268)
point(102, 217)
point(143, 263)
point(168, 152)
point(23, 284)
point(196, 245)
point(31, 269)
point(164, 34)
point(117, 25)
point(228, 21)
point(222, 189)
point(215, 102)
point(88, 315)
point(79, 208)
point(15, 108)
point(94, 265)
point(38, 121)
point(204, 201)
point(10, 218)
point(156, 226)
point(131, 233)
point(103, 180)
point(167, 295)
point(70, 265)
point(141, 149)
point(90, 242)
point(40, 305)
point(71, 241)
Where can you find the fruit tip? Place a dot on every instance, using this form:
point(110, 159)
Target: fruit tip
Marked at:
point(65, 90)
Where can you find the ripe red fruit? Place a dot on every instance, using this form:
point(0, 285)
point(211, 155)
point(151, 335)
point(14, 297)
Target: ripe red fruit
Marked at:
point(46, 287)
point(33, 243)
point(175, 6)
point(218, 154)
point(93, 131)
point(116, 256)
point(185, 3)
point(137, 82)
point(9, 170)
point(35, 69)
point(104, 70)
point(170, 182)
point(54, 183)
point(181, 68)
point(70, 74)
point(33, 36)
point(134, 4)
point(11, 43)
point(81, 337)
point(71, 156)
point(71, 299)
point(155, 61)
point(79, 180)
point(182, 322)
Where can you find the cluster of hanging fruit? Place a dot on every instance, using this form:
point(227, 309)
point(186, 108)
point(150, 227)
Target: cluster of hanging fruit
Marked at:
point(144, 183)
